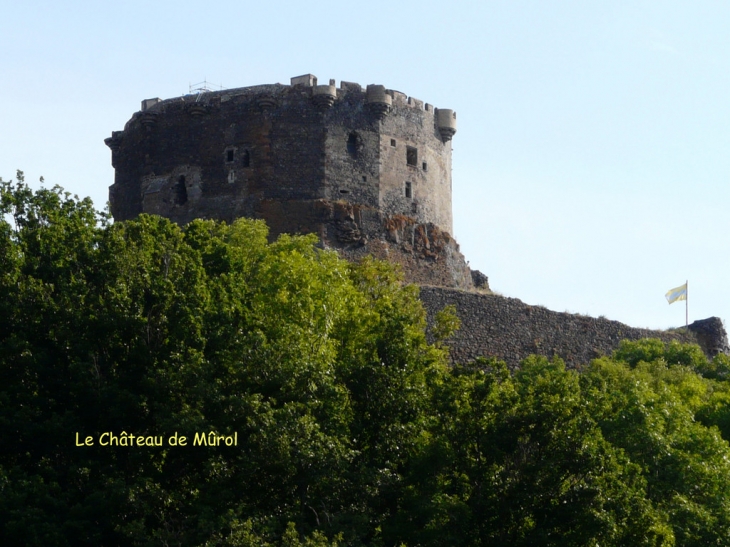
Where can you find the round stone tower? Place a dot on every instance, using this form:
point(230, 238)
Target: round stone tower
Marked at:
point(368, 170)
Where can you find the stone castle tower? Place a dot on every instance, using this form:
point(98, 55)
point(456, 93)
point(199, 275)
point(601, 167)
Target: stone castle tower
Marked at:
point(367, 170)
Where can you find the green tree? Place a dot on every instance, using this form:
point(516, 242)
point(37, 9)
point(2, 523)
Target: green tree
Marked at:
point(143, 327)
point(648, 411)
point(522, 462)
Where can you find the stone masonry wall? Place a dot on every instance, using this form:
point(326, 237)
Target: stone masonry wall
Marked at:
point(230, 153)
point(511, 330)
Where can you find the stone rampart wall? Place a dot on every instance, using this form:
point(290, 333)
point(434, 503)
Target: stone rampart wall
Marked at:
point(511, 330)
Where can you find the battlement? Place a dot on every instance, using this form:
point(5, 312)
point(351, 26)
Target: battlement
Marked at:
point(372, 94)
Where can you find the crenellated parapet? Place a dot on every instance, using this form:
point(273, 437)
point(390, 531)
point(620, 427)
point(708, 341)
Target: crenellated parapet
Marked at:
point(377, 99)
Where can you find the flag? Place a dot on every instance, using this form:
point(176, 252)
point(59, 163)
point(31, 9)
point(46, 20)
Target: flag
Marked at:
point(678, 293)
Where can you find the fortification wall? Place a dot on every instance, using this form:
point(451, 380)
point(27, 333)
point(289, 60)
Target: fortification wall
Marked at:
point(511, 330)
point(219, 155)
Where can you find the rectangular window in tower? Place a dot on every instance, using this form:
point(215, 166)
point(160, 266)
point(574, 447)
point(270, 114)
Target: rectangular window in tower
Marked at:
point(409, 190)
point(392, 142)
point(425, 166)
point(411, 155)
point(230, 155)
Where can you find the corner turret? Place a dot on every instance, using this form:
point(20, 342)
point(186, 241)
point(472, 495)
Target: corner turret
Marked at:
point(446, 123)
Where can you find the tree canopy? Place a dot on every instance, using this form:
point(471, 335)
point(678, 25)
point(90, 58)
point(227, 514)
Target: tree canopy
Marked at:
point(315, 413)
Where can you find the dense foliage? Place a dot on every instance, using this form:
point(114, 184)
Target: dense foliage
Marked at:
point(349, 427)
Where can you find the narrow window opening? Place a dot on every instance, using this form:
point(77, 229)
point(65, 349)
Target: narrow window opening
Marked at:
point(364, 178)
point(181, 192)
point(344, 191)
point(392, 142)
point(352, 145)
point(425, 166)
point(246, 158)
point(230, 155)
point(409, 190)
point(411, 155)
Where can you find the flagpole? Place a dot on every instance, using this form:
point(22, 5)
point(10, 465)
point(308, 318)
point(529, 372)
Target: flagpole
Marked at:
point(686, 305)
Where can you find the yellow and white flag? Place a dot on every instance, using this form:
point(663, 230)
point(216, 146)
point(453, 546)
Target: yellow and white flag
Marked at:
point(678, 293)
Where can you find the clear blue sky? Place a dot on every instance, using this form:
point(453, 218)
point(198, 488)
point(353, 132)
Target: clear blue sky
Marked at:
point(590, 167)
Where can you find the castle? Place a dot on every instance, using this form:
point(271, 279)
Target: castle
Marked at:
point(368, 171)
